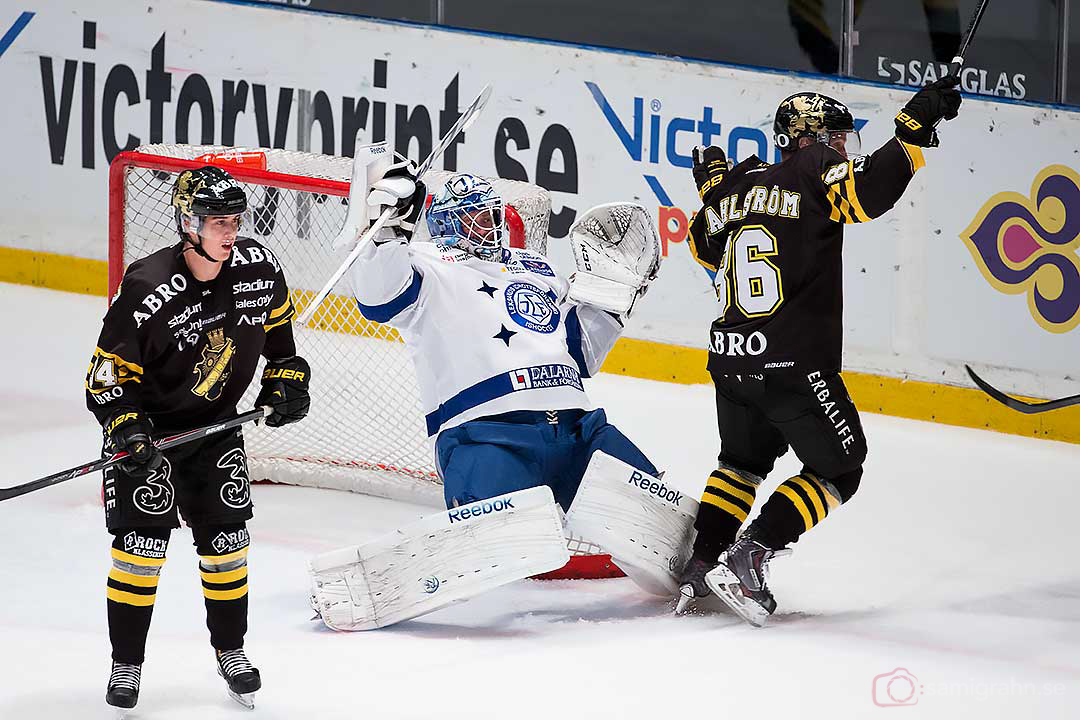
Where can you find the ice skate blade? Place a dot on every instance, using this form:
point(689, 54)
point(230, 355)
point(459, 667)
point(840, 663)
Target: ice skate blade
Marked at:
point(686, 596)
point(245, 699)
point(725, 584)
point(122, 713)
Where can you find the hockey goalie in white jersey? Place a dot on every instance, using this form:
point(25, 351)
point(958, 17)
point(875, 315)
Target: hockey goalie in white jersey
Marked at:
point(501, 344)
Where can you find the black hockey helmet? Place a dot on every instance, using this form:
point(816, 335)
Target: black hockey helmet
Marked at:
point(204, 192)
point(810, 114)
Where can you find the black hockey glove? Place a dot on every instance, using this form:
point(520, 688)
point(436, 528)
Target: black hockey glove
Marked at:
point(400, 189)
point(936, 102)
point(285, 390)
point(129, 431)
point(710, 166)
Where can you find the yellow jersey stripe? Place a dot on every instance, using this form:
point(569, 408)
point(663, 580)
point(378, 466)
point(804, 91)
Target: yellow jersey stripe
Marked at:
point(129, 598)
point(136, 560)
point(693, 251)
point(797, 501)
point(739, 513)
point(284, 306)
point(279, 323)
point(137, 369)
point(220, 578)
point(133, 579)
point(914, 154)
point(234, 594)
point(853, 198)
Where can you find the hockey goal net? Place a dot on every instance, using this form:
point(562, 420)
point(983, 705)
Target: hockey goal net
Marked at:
point(365, 432)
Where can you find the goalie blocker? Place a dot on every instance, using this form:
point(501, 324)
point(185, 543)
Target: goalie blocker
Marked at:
point(438, 560)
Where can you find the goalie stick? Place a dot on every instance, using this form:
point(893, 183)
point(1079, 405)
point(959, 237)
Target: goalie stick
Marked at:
point(355, 203)
point(171, 441)
point(1020, 405)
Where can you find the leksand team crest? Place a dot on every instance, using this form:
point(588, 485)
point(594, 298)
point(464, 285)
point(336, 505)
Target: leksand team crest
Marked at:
point(532, 308)
point(1029, 245)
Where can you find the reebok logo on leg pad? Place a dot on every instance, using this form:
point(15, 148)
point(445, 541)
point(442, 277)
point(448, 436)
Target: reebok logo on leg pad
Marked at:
point(651, 486)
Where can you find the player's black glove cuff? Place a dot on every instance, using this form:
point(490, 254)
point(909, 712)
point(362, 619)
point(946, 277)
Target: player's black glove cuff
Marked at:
point(130, 431)
point(285, 390)
point(408, 209)
point(936, 102)
point(710, 166)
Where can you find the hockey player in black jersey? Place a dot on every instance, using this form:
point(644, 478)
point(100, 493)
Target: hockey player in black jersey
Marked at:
point(178, 348)
point(771, 236)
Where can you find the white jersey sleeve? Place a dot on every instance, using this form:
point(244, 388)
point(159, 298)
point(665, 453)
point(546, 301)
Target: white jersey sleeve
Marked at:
point(486, 337)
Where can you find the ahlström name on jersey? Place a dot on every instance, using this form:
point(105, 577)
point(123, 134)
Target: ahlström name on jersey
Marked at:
point(758, 199)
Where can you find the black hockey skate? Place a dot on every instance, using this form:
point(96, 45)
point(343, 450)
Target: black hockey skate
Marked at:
point(739, 578)
point(692, 584)
point(242, 677)
point(123, 690)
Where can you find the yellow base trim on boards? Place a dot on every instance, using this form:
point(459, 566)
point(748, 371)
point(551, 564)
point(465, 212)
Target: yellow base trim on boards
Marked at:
point(948, 404)
point(57, 272)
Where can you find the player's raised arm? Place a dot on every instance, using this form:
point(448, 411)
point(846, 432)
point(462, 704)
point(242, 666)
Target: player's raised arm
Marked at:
point(385, 282)
point(862, 188)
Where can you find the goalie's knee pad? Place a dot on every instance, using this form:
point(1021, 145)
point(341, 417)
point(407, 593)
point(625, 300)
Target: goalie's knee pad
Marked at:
point(644, 524)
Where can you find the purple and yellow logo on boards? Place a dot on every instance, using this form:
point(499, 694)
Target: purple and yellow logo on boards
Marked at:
point(1029, 245)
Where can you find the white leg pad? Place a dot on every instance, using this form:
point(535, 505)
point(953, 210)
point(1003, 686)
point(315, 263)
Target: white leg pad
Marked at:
point(646, 526)
point(438, 560)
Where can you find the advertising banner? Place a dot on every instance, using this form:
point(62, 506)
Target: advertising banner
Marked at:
point(977, 263)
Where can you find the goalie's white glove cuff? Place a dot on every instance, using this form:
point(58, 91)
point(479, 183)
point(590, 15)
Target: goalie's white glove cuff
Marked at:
point(390, 191)
point(610, 295)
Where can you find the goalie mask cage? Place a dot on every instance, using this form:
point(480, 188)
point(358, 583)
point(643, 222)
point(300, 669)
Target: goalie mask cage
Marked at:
point(365, 432)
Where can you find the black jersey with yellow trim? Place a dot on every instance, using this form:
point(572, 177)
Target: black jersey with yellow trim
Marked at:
point(772, 235)
point(184, 351)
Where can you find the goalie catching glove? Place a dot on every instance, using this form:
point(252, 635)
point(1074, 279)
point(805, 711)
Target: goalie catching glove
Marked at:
point(399, 189)
point(285, 390)
point(617, 253)
point(129, 431)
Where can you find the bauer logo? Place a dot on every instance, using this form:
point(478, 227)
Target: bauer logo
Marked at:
point(650, 485)
point(1027, 245)
point(532, 308)
point(484, 507)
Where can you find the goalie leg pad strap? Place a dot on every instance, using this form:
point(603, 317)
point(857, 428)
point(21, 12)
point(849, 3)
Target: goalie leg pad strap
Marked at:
point(440, 559)
point(646, 526)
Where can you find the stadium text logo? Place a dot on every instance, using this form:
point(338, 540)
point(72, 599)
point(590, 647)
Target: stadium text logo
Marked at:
point(1028, 245)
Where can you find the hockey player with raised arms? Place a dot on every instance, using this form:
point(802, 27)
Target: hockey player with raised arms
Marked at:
point(771, 235)
point(501, 343)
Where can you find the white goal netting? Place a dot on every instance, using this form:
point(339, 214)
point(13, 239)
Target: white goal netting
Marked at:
point(365, 431)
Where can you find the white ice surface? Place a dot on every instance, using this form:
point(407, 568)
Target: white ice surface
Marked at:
point(956, 561)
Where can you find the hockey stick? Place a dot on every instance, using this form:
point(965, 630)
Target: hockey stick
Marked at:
point(1020, 405)
point(463, 122)
point(973, 24)
point(171, 441)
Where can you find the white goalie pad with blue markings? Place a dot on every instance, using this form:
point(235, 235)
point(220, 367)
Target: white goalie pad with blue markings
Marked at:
point(646, 525)
point(440, 559)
